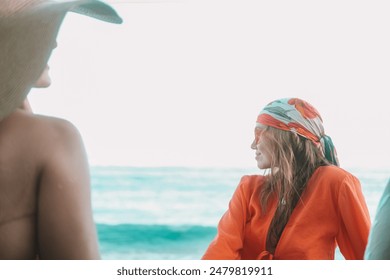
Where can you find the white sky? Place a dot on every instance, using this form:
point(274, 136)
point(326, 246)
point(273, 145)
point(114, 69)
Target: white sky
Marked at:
point(182, 82)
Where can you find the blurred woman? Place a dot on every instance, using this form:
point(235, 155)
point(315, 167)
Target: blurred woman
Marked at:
point(45, 199)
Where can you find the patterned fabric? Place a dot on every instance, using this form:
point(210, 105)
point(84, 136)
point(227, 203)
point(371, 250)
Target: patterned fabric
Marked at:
point(298, 116)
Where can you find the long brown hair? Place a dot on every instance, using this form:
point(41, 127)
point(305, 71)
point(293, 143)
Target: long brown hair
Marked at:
point(294, 160)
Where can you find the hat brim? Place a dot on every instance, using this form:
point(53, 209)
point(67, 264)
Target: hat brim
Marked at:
point(27, 40)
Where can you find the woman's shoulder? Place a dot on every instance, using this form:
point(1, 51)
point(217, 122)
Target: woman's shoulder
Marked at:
point(49, 134)
point(251, 183)
point(334, 173)
point(22, 119)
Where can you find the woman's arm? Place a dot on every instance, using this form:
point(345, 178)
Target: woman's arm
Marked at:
point(229, 239)
point(66, 229)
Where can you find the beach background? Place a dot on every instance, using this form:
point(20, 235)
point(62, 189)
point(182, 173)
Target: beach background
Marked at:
point(171, 213)
point(174, 93)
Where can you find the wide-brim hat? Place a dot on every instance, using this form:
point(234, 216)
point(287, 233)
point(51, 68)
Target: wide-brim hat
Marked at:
point(28, 31)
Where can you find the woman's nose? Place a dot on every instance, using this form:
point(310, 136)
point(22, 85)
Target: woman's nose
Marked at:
point(253, 145)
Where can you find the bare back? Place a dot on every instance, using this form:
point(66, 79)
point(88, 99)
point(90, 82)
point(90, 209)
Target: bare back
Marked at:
point(45, 206)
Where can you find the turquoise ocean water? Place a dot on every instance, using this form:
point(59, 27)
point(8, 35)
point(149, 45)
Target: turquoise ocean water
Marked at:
point(171, 213)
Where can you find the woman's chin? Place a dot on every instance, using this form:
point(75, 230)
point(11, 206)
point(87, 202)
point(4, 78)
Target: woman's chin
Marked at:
point(43, 83)
point(262, 165)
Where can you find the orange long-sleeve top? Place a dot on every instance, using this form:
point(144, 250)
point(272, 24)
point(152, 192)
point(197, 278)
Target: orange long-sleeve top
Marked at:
point(332, 212)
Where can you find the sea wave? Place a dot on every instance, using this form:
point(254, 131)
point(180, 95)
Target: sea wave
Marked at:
point(141, 212)
point(134, 241)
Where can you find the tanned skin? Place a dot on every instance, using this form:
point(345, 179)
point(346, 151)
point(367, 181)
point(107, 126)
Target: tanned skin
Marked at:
point(45, 199)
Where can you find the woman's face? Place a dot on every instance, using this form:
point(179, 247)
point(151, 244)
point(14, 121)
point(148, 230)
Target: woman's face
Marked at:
point(44, 80)
point(261, 145)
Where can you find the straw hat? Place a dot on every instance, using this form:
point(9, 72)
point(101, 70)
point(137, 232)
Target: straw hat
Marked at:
point(28, 31)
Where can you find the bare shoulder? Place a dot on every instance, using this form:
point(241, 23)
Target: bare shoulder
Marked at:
point(64, 199)
point(57, 133)
point(47, 188)
point(29, 123)
point(40, 132)
point(51, 126)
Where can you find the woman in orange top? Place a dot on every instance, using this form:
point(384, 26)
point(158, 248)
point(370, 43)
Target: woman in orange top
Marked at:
point(305, 206)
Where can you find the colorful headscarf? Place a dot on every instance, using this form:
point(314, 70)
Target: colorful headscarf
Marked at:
point(298, 116)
